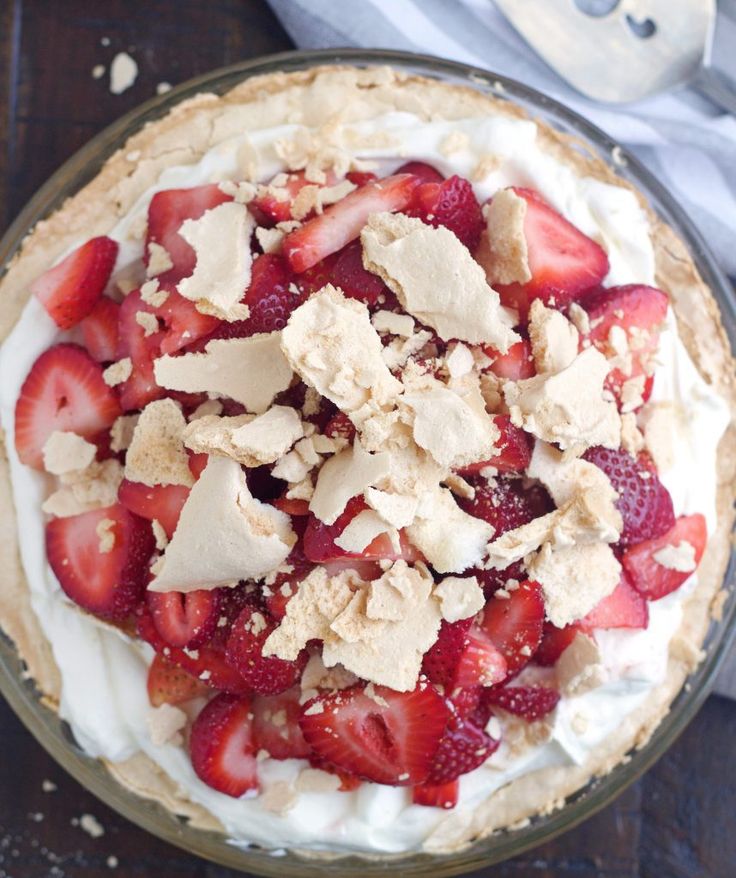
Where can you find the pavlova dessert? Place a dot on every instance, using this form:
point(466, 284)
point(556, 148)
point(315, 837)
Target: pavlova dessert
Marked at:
point(367, 450)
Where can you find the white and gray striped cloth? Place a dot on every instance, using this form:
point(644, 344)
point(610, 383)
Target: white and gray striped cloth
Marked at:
point(685, 140)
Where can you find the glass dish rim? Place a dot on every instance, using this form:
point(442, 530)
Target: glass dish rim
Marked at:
point(54, 735)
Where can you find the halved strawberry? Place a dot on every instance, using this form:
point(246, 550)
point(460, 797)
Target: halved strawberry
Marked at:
point(266, 675)
point(426, 173)
point(514, 624)
point(169, 684)
point(221, 746)
point(389, 739)
point(276, 725)
point(100, 330)
point(515, 364)
point(268, 207)
point(64, 390)
point(480, 663)
point(514, 449)
point(355, 281)
point(140, 388)
point(529, 702)
point(185, 620)
point(441, 659)
point(564, 263)
point(107, 583)
point(643, 501)
point(554, 642)
point(69, 290)
point(507, 504)
point(436, 795)
point(623, 608)
point(166, 213)
point(640, 311)
point(183, 323)
point(463, 748)
point(652, 579)
point(162, 502)
point(342, 222)
point(450, 203)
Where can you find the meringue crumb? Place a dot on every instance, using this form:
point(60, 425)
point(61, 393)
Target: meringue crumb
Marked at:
point(118, 372)
point(91, 825)
point(65, 452)
point(156, 455)
point(152, 295)
point(105, 535)
point(159, 260)
point(123, 73)
point(165, 724)
point(680, 557)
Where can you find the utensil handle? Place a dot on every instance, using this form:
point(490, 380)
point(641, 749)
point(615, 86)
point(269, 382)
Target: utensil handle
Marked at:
point(717, 87)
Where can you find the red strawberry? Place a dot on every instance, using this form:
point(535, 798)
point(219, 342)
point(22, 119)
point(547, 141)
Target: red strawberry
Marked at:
point(166, 212)
point(69, 290)
point(507, 504)
point(643, 501)
point(436, 796)
point(221, 746)
point(169, 684)
point(110, 583)
point(185, 620)
point(390, 739)
point(554, 642)
point(650, 578)
point(292, 506)
point(514, 449)
point(515, 364)
point(480, 663)
point(64, 390)
point(360, 178)
point(183, 322)
point(441, 659)
point(464, 702)
point(463, 748)
point(207, 663)
point(426, 173)
point(623, 608)
point(162, 502)
point(640, 311)
point(514, 624)
point(272, 210)
point(564, 263)
point(100, 330)
point(529, 702)
point(451, 203)
point(355, 281)
point(341, 223)
point(140, 388)
point(266, 675)
point(340, 426)
point(276, 725)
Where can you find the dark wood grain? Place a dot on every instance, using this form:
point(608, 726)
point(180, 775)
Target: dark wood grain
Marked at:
point(674, 823)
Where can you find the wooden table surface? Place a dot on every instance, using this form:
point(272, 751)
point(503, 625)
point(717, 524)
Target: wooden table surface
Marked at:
point(677, 822)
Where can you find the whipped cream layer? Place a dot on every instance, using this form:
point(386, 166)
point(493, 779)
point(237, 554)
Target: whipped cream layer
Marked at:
point(104, 673)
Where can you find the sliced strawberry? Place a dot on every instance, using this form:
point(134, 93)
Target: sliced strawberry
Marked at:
point(161, 502)
point(355, 281)
point(514, 624)
point(185, 620)
point(480, 663)
point(426, 173)
point(623, 608)
point(390, 738)
point(514, 449)
point(69, 290)
point(463, 702)
point(108, 583)
point(463, 748)
point(140, 388)
point(451, 203)
point(643, 501)
point(166, 212)
point(517, 363)
point(652, 579)
point(436, 795)
point(100, 330)
point(554, 642)
point(340, 427)
point(360, 178)
point(169, 684)
point(267, 206)
point(507, 504)
point(529, 702)
point(266, 675)
point(640, 311)
point(292, 506)
point(342, 222)
point(441, 659)
point(221, 746)
point(64, 391)
point(183, 323)
point(207, 663)
point(276, 725)
point(564, 263)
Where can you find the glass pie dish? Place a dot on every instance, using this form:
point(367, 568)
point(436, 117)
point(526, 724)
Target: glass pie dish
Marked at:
point(53, 733)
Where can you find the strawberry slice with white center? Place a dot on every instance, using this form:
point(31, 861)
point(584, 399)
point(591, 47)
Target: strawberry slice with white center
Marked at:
point(108, 580)
point(623, 608)
point(185, 620)
point(514, 449)
point(514, 623)
point(100, 330)
point(140, 388)
point(69, 290)
point(168, 684)
point(564, 263)
point(480, 663)
point(388, 739)
point(653, 565)
point(276, 725)
point(342, 222)
point(161, 502)
point(437, 795)
point(221, 746)
point(64, 391)
point(166, 213)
